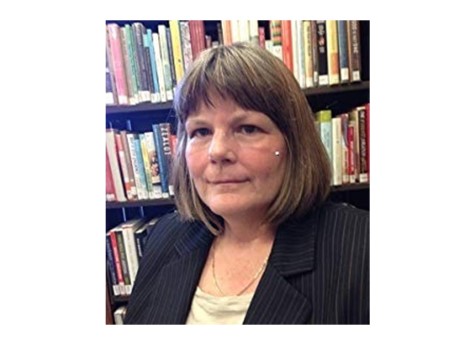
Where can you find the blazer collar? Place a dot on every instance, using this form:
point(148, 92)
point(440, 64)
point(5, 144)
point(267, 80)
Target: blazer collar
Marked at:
point(275, 301)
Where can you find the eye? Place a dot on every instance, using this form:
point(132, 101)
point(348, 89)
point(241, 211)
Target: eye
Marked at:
point(200, 132)
point(249, 129)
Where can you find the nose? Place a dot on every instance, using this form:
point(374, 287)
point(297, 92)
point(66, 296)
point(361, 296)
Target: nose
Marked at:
point(221, 148)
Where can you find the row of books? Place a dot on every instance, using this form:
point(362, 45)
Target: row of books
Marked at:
point(346, 139)
point(124, 249)
point(138, 164)
point(145, 66)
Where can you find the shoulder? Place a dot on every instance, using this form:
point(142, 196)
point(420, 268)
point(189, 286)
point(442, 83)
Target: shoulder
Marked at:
point(342, 215)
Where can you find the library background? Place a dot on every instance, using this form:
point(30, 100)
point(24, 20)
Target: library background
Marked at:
point(144, 62)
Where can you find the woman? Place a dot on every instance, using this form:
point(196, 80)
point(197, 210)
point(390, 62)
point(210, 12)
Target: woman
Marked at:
point(253, 240)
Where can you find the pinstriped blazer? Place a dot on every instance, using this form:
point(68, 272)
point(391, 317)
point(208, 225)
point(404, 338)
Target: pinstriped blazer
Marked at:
point(317, 272)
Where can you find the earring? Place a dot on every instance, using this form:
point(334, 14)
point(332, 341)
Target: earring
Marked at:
point(277, 153)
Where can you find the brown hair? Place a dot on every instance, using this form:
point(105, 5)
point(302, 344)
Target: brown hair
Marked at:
point(255, 80)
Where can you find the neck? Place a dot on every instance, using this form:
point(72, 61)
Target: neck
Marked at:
point(247, 233)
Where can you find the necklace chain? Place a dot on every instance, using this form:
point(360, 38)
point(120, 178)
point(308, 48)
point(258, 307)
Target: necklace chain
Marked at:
point(246, 287)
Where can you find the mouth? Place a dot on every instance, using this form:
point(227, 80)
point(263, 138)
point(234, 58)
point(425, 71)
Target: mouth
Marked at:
point(227, 181)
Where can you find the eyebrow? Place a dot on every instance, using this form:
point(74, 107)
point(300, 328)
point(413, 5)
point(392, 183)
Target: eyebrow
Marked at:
point(239, 117)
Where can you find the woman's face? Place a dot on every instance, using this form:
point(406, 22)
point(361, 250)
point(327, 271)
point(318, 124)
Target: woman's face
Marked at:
point(231, 158)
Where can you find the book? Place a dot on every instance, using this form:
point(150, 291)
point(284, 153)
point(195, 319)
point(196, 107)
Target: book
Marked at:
point(342, 33)
point(152, 75)
point(321, 37)
point(159, 66)
point(138, 168)
point(186, 45)
point(114, 164)
point(336, 151)
point(132, 182)
point(120, 283)
point(324, 118)
point(275, 38)
point(308, 58)
point(354, 50)
point(314, 52)
point(332, 52)
point(176, 49)
point(119, 315)
point(111, 266)
point(363, 154)
point(129, 73)
point(286, 42)
point(116, 54)
point(152, 161)
point(109, 187)
point(109, 94)
point(164, 52)
point(124, 165)
point(138, 36)
point(162, 161)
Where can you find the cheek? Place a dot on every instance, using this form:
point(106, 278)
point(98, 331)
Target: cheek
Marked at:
point(195, 162)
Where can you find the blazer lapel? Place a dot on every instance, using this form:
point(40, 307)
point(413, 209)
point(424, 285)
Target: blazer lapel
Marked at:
point(277, 300)
point(181, 277)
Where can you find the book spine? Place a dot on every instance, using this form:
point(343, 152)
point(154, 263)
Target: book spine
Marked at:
point(159, 64)
point(254, 32)
point(123, 260)
point(220, 34)
point(324, 117)
point(171, 59)
point(148, 63)
point(176, 49)
point(332, 52)
point(132, 93)
point(363, 177)
point(275, 35)
point(124, 165)
point(354, 49)
point(162, 162)
point(235, 31)
point(148, 40)
point(131, 62)
point(306, 28)
point(129, 163)
point(118, 268)
point(113, 32)
point(141, 192)
point(145, 160)
point(336, 151)
point(286, 39)
point(300, 54)
point(109, 95)
point(262, 37)
point(131, 253)
point(314, 52)
point(165, 129)
point(227, 32)
point(114, 165)
point(367, 106)
point(153, 164)
point(345, 168)
point(354, 117)
point(140, 163)
point(165, 60)
point(111, 266)
point(323, 76)
point(109, 186)
point(186, 45)
point(343, 51)
point(144, 92)
point(351, 151)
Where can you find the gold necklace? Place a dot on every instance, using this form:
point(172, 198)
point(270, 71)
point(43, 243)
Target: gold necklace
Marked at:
point(261, 269)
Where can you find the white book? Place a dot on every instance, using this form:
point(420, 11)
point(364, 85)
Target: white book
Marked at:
point(165, 59)
point(235, 31)
point(337, 151)
point(153, 163)
point(254, 32)
point(119, 315)
point(244, 30)
point(159, 63)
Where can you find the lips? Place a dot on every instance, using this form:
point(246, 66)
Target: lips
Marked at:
point(228, 180)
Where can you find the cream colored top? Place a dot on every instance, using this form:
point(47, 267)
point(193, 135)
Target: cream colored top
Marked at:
point(208, 309)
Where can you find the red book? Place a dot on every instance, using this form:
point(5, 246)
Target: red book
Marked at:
point(286, 41)
point(109, 187)
point(262, 37)
point(367, 107)
point(197, 37)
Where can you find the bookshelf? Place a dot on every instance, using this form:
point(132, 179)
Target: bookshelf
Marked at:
point(140, 117)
